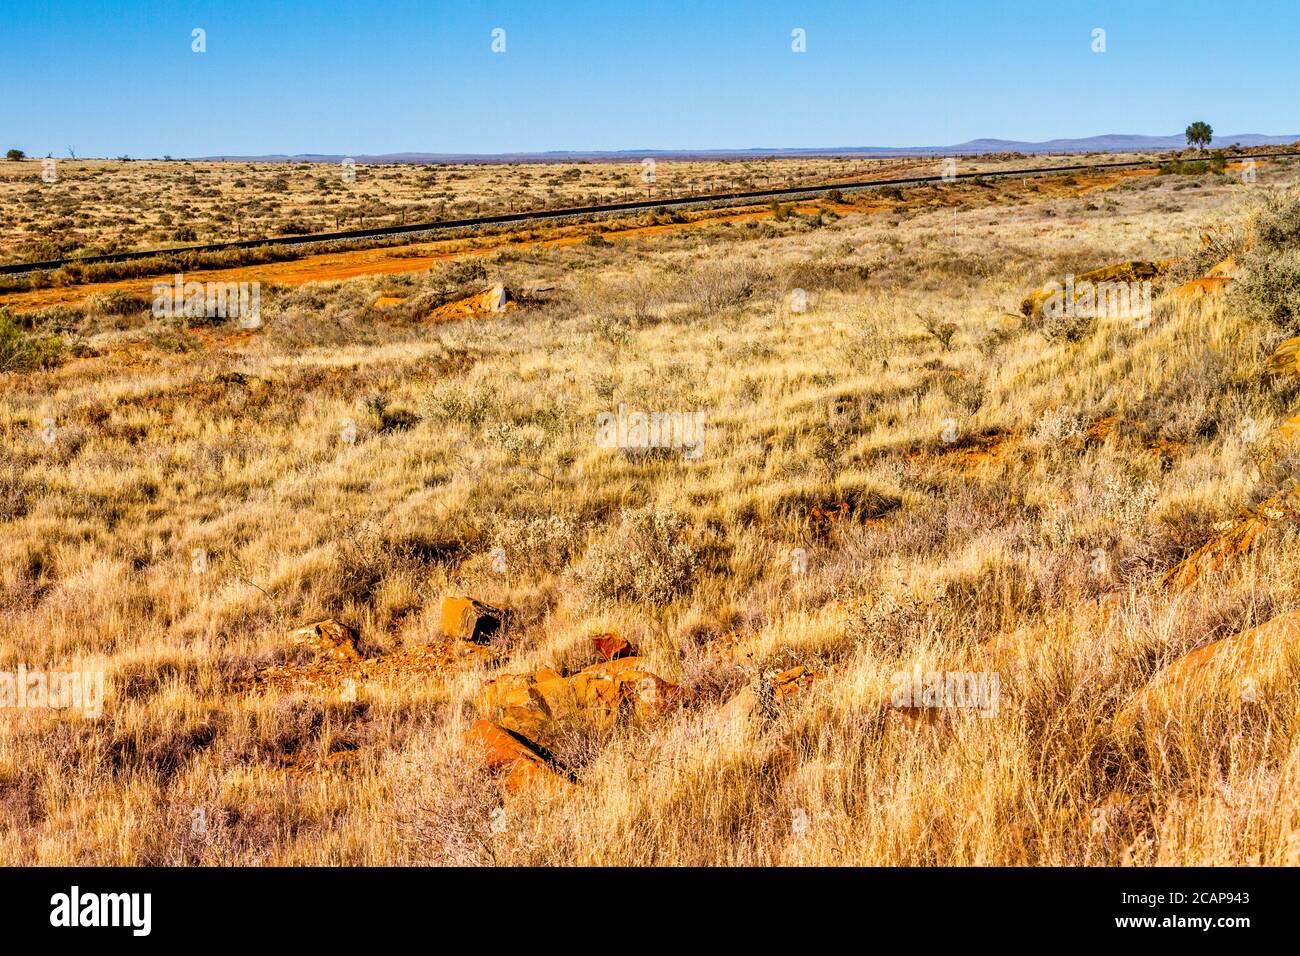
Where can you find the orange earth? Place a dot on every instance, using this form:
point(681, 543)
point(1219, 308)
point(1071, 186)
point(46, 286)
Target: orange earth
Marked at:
point(394, 260)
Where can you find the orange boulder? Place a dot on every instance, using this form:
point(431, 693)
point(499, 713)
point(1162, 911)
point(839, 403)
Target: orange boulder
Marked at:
point(528, 720)
point(612, 668)
point(1207, 287)
point(465, 619)
point(792, 682)
point(528, 776)
point(1234, 667)
point(508, 690)
point(329, 638)
point(611, 646)
point(607, 688)
point(555, 693)
point(530, 704)
point(649, 695)
point(500, 749)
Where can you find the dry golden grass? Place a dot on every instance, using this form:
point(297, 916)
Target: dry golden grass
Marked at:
point(107, 205)
point(989, 524)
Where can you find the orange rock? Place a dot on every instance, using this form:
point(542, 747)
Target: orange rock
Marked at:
point(1227, 267)
point(525, 768)
point(1207, 287)
point(529, 721)
point(1289, 429)
point(596, 693)
point(610, 646)
point(508, 690)
point(496, 298)
point(498, 747)
point(529, 704)
point(605, 689)
point(1032, 305)
point(526, 703)
point(1285, 359)
point(466, 619)
point(526, 776)
point(1233, 538)
point(821, 519)
point(649, 695)
point(556, 694)
point(612, 668)
point(329, 638)
point(1236, 665)
point(596, 687)
point(789, 683)
point(1101, 429)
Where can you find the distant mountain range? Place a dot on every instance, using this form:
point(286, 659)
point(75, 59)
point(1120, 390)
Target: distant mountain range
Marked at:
point(1110, 143)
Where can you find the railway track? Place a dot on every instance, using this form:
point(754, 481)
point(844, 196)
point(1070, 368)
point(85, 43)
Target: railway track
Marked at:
point(713, 199)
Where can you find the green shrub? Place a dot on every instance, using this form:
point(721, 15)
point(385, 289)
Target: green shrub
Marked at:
point(1194, 167)
point(1277, 226)
point(649, 560)
point(116, 302)
point(1269, 288)
point(21, 352)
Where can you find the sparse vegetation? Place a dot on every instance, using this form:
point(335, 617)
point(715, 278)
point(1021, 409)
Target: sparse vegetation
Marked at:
point(649, 560)
point(1194, 167)
point(903, 473)
point(23, 351)
point(1268, 289)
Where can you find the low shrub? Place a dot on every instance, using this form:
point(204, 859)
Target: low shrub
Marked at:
point(648, 560)
point(21, 352)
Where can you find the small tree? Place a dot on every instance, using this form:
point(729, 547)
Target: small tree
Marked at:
point(15, 154)
point(1199, 134)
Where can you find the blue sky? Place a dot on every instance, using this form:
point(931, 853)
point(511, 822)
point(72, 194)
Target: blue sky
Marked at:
point(108, 78)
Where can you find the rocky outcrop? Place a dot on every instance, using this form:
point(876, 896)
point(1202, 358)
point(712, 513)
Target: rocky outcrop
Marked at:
point(611, 646)
point(466, 619)
point(524, 764)
point(1233, 670)
point(1086, 283)
point(329, 639)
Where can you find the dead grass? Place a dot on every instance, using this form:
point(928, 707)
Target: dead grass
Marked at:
point(872, 497)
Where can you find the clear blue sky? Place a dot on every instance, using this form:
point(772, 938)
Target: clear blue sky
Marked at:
point(360, 77)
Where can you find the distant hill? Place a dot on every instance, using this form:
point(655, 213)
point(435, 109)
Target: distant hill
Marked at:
point(1109, 143)
point(1115, 143)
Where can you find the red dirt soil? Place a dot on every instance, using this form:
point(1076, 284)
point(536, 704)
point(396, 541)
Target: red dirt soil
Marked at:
point(394, 260)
